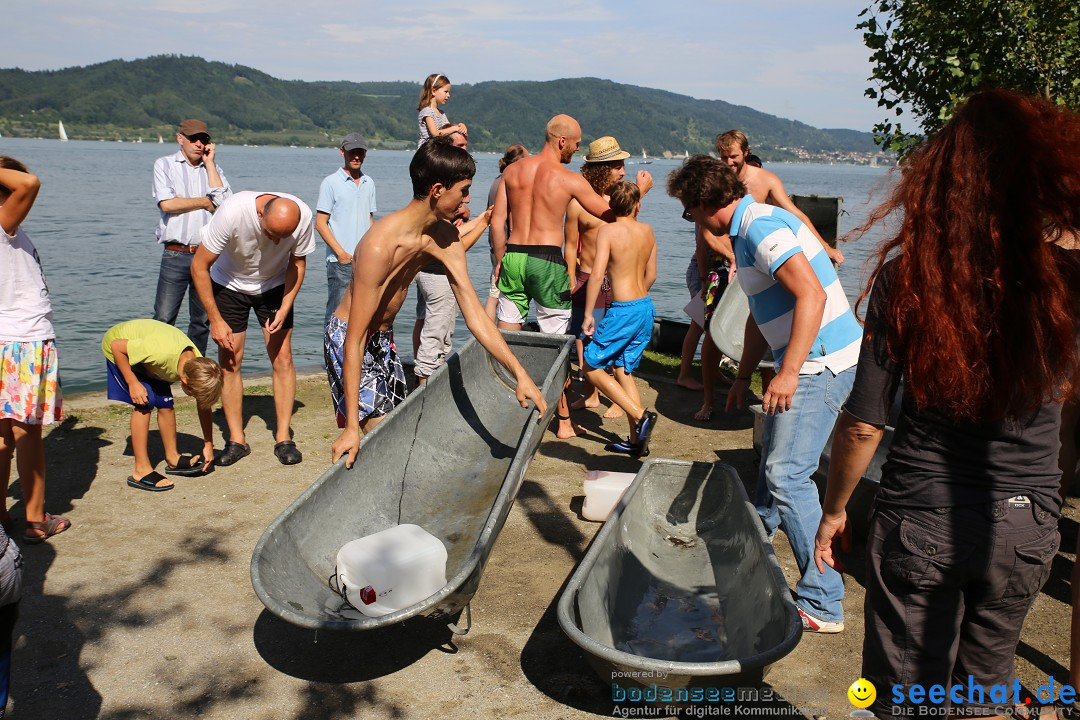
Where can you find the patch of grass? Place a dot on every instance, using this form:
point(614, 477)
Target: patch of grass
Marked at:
point(263, 390)
point(667, 367)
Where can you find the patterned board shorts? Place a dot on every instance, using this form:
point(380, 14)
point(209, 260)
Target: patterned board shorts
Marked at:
point(30, 382)
point(382, 379)
point(716, 282)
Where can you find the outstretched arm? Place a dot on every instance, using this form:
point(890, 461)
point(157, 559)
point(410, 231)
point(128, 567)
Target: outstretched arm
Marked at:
point(24, 189)
point(368, 285)
point(480, 325)
point(780, 198)
point(471, 231)
point(200, 276)
point(571, 240)
point(123, 364)
point(582, 191)
point(854, 444)
point(596, 279)
point(500, 212)
point(294, 278)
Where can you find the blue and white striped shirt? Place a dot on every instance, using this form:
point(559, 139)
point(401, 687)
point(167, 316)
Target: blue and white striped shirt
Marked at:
point(175, 177)
point(764, 238)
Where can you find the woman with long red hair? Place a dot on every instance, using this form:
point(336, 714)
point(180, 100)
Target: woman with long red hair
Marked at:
point(971, 307)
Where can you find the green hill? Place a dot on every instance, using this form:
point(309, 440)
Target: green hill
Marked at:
point(124, 99)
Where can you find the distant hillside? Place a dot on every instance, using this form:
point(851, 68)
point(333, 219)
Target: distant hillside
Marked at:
point(124, 99)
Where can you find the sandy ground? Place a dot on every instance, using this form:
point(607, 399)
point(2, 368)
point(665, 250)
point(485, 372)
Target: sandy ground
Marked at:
point(144, 609)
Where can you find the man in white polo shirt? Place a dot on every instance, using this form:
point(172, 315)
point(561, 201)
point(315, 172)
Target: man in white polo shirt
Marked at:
point(252, 257)
point(798, 308)
point(188, 187)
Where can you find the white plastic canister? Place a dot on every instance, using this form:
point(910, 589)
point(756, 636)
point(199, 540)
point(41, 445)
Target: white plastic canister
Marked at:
point(603, 490)
point(391, 569)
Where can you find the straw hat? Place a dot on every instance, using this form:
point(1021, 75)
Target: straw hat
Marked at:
point(605, 149)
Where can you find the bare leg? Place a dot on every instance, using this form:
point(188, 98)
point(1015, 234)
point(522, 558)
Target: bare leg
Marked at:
point(686, 367)
point(566, 427)
point(508, 326)
point(491, 307)
point(30, 460)
point(629, 386)
point(140, 434)
point(232, 389)
point(710, 364)
point(7, 453)
point(614, 390)
point(279, 350)
point(166, 422)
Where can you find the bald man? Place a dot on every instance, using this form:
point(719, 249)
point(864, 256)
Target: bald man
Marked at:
point(535, 191)
point(252, 257)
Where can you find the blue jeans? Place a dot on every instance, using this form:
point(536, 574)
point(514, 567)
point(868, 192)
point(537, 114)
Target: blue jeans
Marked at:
point(174, 279)
point(791, 445)
point(338, 276)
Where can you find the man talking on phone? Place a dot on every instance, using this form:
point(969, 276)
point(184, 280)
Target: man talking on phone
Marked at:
point(188, 187)
point(252, 256)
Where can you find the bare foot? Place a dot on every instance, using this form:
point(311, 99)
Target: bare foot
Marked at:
point(614, 412)
point(690, 384)
point(704, 414)
point(568, 429)
point(589, 402)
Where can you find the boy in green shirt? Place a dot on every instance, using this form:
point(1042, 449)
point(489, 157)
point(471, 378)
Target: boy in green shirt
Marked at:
point(142, 359)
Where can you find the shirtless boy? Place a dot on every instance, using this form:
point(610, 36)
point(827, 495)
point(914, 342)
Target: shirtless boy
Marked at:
point(603, 168)
point(386, 261)
point(535, 192)
point(626, 252)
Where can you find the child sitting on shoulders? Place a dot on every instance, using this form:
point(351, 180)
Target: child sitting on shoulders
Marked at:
point(626, 253)
point(142, 359)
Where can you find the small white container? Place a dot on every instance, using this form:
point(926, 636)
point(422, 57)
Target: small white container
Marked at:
point(603, 490)
point(391, 569)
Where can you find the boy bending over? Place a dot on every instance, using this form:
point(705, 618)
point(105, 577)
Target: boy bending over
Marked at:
point(626, 252)
point(384, 265)
point(142, 358)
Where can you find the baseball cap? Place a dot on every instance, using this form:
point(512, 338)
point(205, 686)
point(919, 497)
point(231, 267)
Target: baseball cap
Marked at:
point(354, 141)
point(191, 126)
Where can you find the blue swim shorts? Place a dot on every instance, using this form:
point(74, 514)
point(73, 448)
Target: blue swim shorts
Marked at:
point(382, 379)
point(623, 335)
point(158, 392)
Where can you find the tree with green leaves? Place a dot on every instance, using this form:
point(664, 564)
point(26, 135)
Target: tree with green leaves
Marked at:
point(931, 54)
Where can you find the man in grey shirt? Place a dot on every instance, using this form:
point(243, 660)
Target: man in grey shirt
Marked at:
point(188, 187)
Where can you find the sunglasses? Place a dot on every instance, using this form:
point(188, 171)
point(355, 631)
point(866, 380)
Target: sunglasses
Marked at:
point(199, 137)
point(686, 216)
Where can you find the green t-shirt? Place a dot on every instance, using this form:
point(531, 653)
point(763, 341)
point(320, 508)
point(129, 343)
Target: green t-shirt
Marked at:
point(152, 345)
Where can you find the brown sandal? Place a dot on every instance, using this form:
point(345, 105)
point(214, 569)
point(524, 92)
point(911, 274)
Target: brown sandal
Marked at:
point(52, 525)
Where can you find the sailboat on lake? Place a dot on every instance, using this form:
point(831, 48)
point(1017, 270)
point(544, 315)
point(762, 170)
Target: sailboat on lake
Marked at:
point(645, 158)
point(62, 131)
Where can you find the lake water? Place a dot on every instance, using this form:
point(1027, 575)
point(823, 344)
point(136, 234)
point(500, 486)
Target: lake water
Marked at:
point(93, 225)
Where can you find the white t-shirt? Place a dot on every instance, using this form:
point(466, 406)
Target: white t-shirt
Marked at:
point(25, 310)
point(249, 262)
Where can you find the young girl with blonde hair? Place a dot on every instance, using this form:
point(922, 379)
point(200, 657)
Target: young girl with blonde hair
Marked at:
point(432, 121)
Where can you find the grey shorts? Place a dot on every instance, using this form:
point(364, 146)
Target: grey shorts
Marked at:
point(11, 563)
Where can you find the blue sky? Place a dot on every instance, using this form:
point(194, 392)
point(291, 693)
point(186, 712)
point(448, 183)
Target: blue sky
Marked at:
point(793, 58)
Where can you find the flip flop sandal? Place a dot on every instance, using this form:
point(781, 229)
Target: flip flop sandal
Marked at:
point(187, 466)
point(286, 452)
point(150, 482)
point(51, 525)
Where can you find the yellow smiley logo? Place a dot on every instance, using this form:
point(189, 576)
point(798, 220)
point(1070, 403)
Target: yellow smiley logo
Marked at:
point(862, 693)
